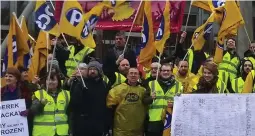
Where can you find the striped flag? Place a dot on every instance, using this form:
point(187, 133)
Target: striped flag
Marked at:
point(148, 50)
point(163, 32)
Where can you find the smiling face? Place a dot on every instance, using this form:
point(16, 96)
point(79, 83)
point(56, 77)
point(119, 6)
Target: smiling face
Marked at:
point(154, 67)
point(166, 71)
point(208, 76)
point(231, 44)
point(10, 79)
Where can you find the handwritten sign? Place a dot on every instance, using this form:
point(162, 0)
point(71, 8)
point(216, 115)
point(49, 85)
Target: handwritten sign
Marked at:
point(214, 115)
point(12, 124)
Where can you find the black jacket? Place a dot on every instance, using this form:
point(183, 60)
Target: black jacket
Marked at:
point(109, 61)
point(88, 110)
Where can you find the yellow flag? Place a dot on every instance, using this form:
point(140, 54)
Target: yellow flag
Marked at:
point(139, 18)
point(202, 4)
point(22, 41)
point(148, 49)
point(202, 33)
point(40, 55)
point(44, 18)
point(231, 21)
point(89, 23)
point(71, 19)
point(117, 7)
point(164, 29)
point(12, 49)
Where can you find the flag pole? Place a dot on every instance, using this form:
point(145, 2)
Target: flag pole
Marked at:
point(47, 46)
point(125, 47)
point(188, 16)
point(196, 40)
point(247, 34)
point(53, 54)
point(84, 85)
point(185, 28)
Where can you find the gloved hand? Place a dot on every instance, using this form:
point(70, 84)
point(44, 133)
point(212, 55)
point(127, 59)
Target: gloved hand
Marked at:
point(24, 113)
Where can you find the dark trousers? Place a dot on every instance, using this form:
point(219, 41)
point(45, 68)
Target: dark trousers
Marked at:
point(155, 128)
point(154, 133)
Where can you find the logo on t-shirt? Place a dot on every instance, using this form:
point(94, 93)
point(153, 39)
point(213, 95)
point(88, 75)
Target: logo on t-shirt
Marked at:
point(132, 97)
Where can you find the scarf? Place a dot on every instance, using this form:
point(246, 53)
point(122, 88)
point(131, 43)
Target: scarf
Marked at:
point(207, 87)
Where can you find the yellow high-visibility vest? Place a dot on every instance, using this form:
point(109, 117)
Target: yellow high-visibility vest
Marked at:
point(237, 85)
point(70, 63)
point(229, 66)
point(158, 107)
point(106, 79)
point(53, 119)
point(119, 79)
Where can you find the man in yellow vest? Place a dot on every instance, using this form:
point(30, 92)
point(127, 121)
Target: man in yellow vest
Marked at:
point(152, 74)
point(250, 54)
point(183, 75)
point(228, 68)
point(238, 83)
point(126, 100)
point(77, 53)
point(163, 91)
point(117, 78)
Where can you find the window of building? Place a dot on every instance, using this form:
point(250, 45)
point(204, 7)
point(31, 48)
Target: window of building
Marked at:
point(5, 12)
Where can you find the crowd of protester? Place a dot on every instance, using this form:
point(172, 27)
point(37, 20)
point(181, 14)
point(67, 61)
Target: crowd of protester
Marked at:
point(82, 96)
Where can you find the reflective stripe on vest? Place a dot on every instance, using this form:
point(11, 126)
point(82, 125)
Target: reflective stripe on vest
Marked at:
point(229, 65)
point(119, 79)
point(190, 58)
point(237, 85)
point(53, 120)
point(105, 78)
point(156, 109)
point(253, 74)
point(221, 86)
point(70, 63)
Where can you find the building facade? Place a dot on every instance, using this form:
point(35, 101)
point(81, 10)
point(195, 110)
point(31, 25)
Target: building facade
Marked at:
point(196, 18)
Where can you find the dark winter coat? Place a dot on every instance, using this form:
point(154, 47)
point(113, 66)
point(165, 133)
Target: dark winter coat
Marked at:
point(87, 107)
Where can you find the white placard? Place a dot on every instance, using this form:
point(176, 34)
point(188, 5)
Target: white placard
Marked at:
point(214, 115)
point(12, 124)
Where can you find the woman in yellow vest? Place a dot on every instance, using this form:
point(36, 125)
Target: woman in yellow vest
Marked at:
point(238, 83)
point(209, 81)
point(49, 109)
